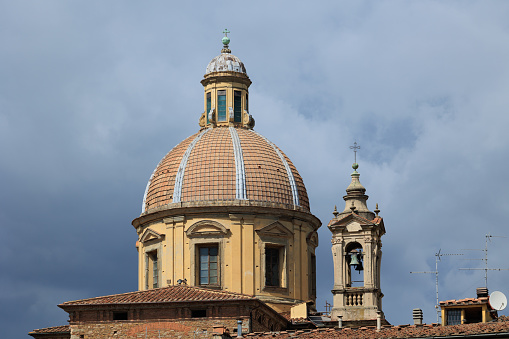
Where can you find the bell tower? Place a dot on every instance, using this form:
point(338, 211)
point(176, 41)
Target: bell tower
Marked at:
point(357, 255)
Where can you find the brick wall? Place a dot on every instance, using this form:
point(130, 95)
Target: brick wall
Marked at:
point(160, 311)
point(170, 319)
point(188, 328)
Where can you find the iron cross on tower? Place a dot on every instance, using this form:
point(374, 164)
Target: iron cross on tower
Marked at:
point(226, 31)
point(355, 148)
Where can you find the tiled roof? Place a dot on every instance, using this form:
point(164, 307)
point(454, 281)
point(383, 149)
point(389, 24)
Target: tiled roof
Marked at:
point(286, 315)
point(55, 330)
point(402, 331)
point(210, 171)
point(333, 221)
point(466, 301)
point(169, 294)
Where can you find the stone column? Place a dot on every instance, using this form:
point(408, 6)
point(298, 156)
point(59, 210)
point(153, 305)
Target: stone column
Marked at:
point(248, 249)
point(236, 253)
point(179, 243)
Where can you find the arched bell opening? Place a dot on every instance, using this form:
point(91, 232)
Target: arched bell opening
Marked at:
point(354, 265)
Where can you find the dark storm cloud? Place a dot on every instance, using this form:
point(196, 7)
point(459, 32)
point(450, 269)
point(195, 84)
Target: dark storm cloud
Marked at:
point(93, 94)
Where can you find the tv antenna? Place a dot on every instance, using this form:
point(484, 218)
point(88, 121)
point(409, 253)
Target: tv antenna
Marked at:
point(485, 259)
point(328, 308)
point(435, 272)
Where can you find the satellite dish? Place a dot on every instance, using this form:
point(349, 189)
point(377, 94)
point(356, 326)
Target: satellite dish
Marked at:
point(498, 300)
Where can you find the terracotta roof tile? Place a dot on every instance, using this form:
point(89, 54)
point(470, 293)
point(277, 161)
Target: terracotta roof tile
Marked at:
point(335, 221)
point(169, 294)
point(286, 315)
point(402, 331)
point(466, 301)
point(210, 172)
point(55, 329)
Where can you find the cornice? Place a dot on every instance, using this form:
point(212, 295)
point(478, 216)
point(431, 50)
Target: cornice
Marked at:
point(227, 208)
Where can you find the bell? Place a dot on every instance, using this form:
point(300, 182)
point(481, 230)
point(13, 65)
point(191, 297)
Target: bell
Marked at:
point(354, 259)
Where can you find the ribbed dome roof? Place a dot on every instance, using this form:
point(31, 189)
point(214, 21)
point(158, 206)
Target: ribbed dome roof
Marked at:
point(235, 165)
point(226, 62)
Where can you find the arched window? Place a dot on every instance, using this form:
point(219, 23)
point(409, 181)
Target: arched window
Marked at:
point(206, 240)
point(355, 269)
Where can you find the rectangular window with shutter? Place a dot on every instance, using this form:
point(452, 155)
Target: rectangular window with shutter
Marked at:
point(152, 270)
point(272, 266)
point(208, 258)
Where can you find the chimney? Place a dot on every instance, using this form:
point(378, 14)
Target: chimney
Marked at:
point(417, 314)
point(482, 292)
point(340, 321)
point(239, 328)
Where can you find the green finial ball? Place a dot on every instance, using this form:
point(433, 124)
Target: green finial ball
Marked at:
point(355, 166)
point(226, 40)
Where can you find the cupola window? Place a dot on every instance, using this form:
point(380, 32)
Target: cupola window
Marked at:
point(221, 105)
point(209, 106)
point(237, 106)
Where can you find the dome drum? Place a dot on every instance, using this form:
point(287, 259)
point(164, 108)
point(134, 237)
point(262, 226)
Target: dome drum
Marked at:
point(278, 211)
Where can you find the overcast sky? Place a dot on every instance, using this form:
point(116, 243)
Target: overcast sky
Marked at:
point(94, 93)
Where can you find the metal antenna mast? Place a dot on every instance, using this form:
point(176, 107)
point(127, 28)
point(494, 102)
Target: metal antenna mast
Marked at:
point(485, 269)
point(437, 259)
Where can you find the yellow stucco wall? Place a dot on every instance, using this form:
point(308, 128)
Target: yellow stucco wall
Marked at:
point(485, 312)
point(241, 239)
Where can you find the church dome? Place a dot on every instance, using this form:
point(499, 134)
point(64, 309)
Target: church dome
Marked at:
point(226, 62)
point(226, 201)
point(226, 166)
